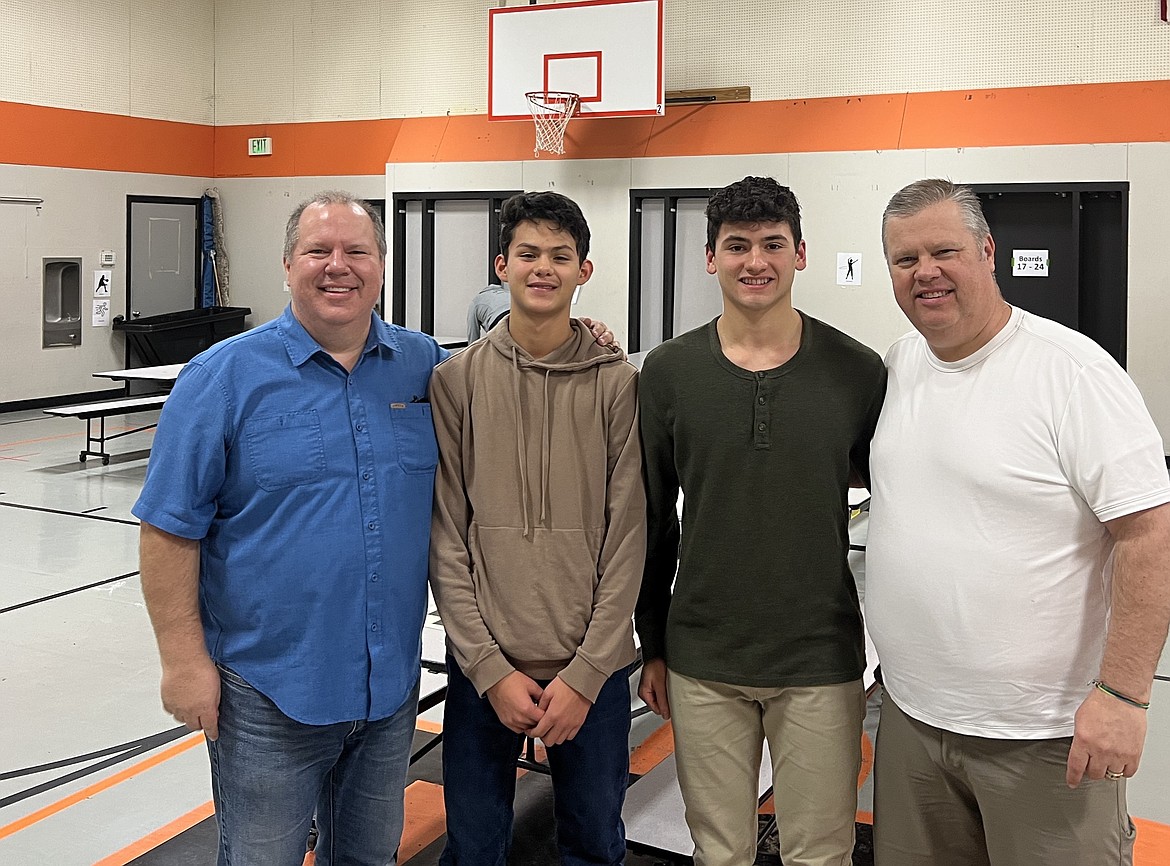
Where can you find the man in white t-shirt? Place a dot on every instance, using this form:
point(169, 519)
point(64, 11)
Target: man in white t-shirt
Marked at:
point(1018, 566)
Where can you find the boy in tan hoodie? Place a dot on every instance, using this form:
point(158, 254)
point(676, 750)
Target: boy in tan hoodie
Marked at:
point(537, 547)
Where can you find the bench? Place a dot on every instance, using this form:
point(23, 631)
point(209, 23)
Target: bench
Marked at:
point(99, 411)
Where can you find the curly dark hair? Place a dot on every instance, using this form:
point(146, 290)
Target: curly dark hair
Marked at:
point(752, 200)
point(552, 207)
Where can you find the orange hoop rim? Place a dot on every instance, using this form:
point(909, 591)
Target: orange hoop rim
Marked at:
point(554, 100)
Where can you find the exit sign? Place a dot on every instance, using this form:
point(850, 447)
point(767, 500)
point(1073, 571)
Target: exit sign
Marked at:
point(259, 147)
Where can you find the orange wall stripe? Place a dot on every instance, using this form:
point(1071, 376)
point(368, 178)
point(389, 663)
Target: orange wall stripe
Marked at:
point(37, 135)
point(155, 838)
point(420, 138)
point(96, 788)
point(345, 147)
point(788, 126)
point(1026, 116)
point(1071, 114)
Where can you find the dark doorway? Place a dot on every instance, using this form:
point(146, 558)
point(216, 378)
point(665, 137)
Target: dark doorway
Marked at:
point(1060, 252)
point(445, 245)
point(670, 289)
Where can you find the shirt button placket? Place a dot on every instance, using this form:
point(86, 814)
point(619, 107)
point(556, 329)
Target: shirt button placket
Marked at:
point(760, 411)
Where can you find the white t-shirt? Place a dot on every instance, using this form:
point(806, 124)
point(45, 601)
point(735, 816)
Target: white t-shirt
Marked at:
point(987, 564)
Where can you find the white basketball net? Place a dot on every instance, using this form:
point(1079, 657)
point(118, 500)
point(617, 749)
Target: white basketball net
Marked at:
point(551, 112)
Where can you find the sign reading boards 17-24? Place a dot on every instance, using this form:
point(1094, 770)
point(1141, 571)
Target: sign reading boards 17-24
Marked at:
point(1029, 263)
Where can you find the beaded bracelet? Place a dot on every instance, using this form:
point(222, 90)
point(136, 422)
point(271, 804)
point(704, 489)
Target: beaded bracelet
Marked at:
point(1115, 694)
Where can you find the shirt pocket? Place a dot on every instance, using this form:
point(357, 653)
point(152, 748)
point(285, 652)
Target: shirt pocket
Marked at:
point(414, 436)
point(285, 450)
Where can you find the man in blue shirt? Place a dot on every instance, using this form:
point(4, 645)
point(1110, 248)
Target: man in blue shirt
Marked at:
point(285, 530)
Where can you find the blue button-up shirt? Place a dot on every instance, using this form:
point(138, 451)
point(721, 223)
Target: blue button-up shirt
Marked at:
point(310, 489)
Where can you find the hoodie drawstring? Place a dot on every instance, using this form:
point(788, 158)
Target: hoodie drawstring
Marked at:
point(520, 438)
point(545, 452)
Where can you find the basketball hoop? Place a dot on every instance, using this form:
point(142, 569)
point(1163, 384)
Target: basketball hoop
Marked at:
point(551, 112)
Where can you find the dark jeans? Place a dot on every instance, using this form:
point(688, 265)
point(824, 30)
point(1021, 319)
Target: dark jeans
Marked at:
point(589, 776)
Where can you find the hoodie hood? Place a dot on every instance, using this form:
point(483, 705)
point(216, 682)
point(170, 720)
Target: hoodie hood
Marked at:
point(579, 352)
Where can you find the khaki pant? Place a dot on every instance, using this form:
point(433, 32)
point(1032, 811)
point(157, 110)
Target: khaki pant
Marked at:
point(945, 799)
point(814, 738)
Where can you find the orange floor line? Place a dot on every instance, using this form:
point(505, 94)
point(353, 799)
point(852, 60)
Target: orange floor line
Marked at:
point(428, 727)
point(59, 436)
point(40, 439)
point(96, 788)
point(155, 838)
point(653, 750)
point(1153, 843)
point(866, 760)
point(425, 821)
point(426, 818)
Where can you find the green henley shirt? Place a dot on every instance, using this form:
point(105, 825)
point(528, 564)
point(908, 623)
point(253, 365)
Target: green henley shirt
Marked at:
point(764, 595)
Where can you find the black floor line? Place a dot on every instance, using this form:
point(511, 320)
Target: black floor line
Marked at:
point(84, 514)
point(151, 741)
point(128, 752)
point(65, 592)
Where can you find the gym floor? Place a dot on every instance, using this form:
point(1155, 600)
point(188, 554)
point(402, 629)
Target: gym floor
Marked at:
point(92, 771)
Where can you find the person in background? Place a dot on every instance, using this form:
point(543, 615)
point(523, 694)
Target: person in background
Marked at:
point(489, 305)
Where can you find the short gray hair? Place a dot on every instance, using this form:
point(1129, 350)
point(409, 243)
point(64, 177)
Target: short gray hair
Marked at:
point(918, 196)
point(332, 196)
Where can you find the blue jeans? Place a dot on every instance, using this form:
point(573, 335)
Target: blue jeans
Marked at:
point(269, 773)
point(590, 774)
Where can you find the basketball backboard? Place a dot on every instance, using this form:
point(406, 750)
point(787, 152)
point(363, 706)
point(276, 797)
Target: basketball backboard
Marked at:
point(608, 51)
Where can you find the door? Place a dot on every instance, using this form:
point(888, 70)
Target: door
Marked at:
point(162, 247)
point(670, 290)
point(445, 245)
point(1060, 252)
point(1045, 222)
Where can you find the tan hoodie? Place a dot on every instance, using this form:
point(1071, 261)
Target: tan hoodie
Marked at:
point(538, 536)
